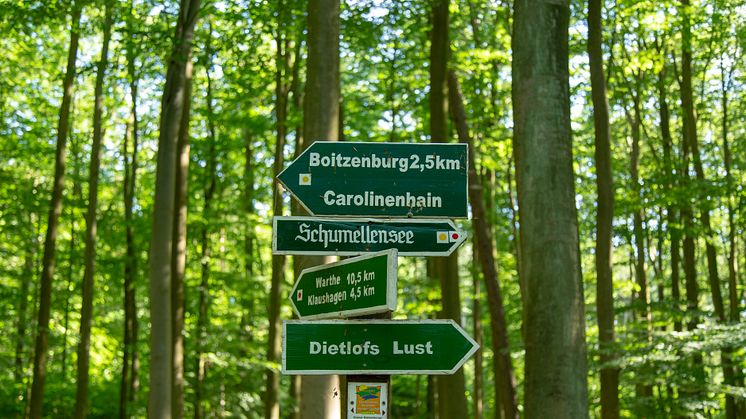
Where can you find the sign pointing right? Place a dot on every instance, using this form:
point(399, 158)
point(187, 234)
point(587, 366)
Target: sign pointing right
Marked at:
point(355, 236)
point(374, 347)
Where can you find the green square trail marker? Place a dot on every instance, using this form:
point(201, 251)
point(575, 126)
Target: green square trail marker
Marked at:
point(355, 236)
point(350, 287)
point(380, 179)
point(374, 347)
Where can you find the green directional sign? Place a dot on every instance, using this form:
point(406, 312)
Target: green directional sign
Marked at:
point(374, 347)
point(354, 236)
point(380, 179)
point(350, 287)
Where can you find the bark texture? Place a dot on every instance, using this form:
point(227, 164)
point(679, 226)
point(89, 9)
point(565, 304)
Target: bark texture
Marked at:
point(320, 393)
point(172, 107)
point(178, 248)
point(555, 377)
point(604, 214)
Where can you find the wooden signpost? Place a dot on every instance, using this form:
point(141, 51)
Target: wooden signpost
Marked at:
point(350, 181)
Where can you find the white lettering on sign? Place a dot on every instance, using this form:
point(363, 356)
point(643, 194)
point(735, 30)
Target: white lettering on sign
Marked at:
point(343, 348)
point(403, 164)
point(363, 234)
point(372, 199)
point(329, 281)
point(413, 348)
point(326, 298)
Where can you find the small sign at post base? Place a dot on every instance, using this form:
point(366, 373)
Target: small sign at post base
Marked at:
point(367, 400)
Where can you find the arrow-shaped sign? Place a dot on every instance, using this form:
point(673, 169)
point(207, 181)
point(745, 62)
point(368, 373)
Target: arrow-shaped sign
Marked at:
point(374, 347)
point(354, 236)
point(380, 179)
point(350, 287)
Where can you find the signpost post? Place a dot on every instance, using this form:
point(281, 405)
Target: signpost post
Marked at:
point(380, 179)
point(374, 347)
point(350, 287)
point(355, 236)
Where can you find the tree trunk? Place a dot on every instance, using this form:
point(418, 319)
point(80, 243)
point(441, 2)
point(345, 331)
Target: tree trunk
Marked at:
point(55, 209)
point(320, 397)
point(642, 298)
point(554, 313)
point(29, 256)
point(671, 217)
point(689, 133)
point(282, 87)
point(732, 407)
point(86, 311)
point(247, 317)
point(502, 366)
point(179, 247)
point(72, 257)
point(478, 395)
point(130, 363)
point(207, 214)
point(451, 388)
point(604, 215)
point(172, 107)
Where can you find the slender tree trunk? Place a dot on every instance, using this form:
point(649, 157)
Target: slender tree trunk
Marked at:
point(179, 248)
point(690, 136)
point(515, 242)
point(555, 380)
point(451, 388)
point(478, 396)
point(204, 287)
point(247, 319)
point(86, 311)
point(172, 107)
point(29, 256)
point(604, 215)
point(55, 209)
point(130, 363)
point(505, 385)
point(672, 211)
point(732, 407)
point(643, 390)
point(77, 198)
point(69, 286)
point(689, 132)
point(296, 89)
point(321, 122)
point(271, 405)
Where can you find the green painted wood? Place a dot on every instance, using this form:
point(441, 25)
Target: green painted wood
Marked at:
point(355, 236)
point(380, 179)
point(374, 347)
point(350, 287)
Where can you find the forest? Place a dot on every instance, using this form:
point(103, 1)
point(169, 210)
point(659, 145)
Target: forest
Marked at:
point(603, 272)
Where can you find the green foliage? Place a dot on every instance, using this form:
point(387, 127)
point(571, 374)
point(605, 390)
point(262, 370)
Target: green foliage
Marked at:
point(385, 88)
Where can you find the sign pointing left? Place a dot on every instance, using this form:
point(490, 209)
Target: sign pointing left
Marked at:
point(380, 179)
point(350, 287)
